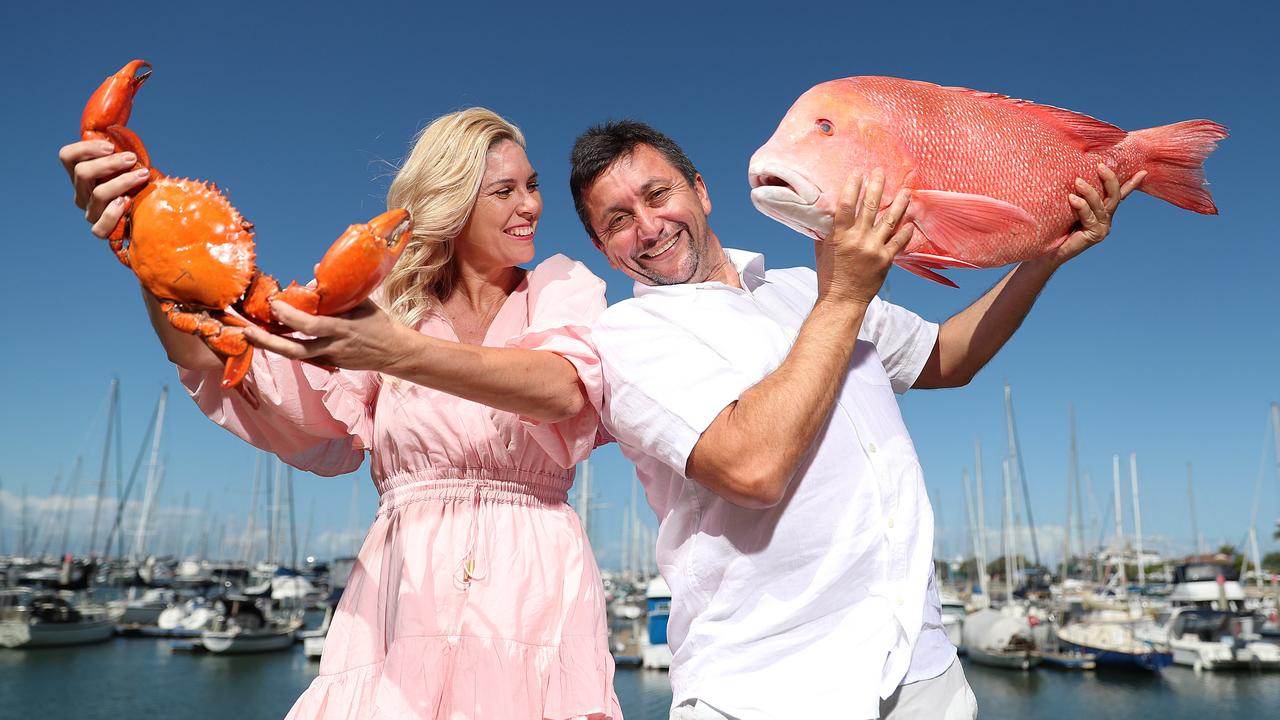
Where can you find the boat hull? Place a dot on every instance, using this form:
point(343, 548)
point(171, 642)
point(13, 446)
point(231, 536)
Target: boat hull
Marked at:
point(1152, 661)
point(1018, 660)
point(23, 635)
point(237, 643)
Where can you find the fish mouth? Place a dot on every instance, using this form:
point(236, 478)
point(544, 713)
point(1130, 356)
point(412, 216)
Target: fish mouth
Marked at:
point(787, 196)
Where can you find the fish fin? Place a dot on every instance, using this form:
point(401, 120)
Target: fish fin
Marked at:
point(1090, 134)
point(924, 272)
point(1175, 163)
point(949, 219)
point(937, 261)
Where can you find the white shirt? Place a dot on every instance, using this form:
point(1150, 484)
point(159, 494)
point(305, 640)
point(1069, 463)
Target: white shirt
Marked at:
point(811, 608)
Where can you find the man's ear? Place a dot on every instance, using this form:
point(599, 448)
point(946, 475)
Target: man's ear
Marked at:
point(700, 188)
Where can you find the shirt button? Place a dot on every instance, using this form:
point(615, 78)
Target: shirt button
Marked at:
point(871, 447)
point(889, 522)
point(898, 600)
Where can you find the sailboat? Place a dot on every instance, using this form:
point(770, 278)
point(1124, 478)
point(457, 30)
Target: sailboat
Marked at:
point(33, 618)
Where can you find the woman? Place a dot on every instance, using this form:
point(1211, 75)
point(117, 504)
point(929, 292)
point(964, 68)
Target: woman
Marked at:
point(475, 593)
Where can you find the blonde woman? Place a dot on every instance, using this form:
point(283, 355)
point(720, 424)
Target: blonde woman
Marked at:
point(475, 594)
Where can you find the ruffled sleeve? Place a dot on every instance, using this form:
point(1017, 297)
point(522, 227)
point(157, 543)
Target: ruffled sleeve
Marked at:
point(564, 299)
point(311, 418)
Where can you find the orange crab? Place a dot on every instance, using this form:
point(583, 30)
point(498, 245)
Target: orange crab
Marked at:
point(192, 249)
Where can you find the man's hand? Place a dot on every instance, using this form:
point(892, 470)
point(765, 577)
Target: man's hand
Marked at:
point(364, 338)
point(853, 261)
point(1095, 213)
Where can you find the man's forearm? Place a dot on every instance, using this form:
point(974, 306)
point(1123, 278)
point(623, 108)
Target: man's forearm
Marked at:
point(751, 450)
point(968, 340)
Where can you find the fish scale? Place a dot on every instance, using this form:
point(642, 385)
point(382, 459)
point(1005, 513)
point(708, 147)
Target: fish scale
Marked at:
point(990, 174)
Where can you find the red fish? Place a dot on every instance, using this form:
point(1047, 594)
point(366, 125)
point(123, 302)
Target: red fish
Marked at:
point(989, 175)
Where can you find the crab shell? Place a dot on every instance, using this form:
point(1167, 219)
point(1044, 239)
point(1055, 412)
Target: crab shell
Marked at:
point(188, 244)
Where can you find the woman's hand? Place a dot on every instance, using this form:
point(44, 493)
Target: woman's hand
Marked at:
point(364, 338)
point(101, 177)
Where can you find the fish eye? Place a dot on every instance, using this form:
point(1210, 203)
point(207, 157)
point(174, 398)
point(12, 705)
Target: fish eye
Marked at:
point(825, 126)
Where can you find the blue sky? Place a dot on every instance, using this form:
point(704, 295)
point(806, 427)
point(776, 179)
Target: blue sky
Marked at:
point(1165, 339)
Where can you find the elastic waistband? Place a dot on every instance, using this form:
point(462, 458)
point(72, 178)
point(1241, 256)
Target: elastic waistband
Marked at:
point(501, 485)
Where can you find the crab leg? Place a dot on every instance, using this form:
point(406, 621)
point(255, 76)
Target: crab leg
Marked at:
point(355, 265)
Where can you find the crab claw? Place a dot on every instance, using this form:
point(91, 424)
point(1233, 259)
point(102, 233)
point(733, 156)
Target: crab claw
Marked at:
point(359, 260)
point(107, 112)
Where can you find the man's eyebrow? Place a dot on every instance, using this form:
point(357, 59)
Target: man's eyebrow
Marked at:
point(644, 190)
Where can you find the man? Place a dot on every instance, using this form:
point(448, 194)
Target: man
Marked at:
point(758, 407)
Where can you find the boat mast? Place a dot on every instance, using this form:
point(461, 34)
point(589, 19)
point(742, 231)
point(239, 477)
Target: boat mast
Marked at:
point(1008, 536)
point(106, 456)
point(1137, 517)
point(1257, 497)
point(1075, 464)
point(982, 520)
point(153, 472)
point(971, 523)
point(1020, 467)
point(1115, 480)
point(71, 499)
point(22, 527)
point(293, 528)
point(1073, 481)
point(253, 511)
point(1196, 537)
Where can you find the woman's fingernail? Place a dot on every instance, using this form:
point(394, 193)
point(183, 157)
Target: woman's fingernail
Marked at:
point(141, 172)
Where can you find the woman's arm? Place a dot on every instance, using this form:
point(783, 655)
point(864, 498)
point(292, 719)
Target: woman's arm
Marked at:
point(101, 178)
point(535, 384)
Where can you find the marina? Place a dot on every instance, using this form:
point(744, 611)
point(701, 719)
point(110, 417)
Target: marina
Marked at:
point(127, 677)
point(1118, 631)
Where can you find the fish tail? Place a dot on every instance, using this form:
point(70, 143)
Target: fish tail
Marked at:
point(1174, 162)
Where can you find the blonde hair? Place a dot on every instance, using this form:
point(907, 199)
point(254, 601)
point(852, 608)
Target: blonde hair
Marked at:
point(438, 184)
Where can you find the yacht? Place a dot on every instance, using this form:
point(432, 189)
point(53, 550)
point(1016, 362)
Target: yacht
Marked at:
point(244, 626)
point(1000, 639)
point(32, 619)
point(1205, 638)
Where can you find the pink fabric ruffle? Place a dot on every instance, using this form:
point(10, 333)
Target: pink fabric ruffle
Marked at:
point(491, 678)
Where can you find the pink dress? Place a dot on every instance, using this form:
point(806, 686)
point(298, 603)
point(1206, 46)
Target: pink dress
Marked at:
point(475, 594)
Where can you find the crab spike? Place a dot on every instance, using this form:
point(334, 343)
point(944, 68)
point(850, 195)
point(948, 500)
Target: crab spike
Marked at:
point(360, 259)
point(107, 112)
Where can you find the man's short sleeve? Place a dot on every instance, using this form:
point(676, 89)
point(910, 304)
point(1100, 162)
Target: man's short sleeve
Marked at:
point(663, 384)
point(903, 340)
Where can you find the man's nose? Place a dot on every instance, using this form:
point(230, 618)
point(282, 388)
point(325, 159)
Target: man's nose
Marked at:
point(648, 224)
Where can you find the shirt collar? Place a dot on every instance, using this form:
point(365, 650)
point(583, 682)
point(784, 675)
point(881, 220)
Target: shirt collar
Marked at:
point(749, 265)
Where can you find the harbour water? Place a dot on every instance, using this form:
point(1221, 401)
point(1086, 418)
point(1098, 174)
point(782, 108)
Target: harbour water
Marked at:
point(143, 678)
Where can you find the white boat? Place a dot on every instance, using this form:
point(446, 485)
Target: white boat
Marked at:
point(313, 647)
point(144, 610)
point(31, 620)
point(242, 626)
point(1116, 644)
point(655, 652)
point(1203, 638)
point(999, 639)
point(239, 640)
point(953, 614)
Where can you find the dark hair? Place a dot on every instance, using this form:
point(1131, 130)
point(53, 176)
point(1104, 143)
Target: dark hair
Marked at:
point(599, 147)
